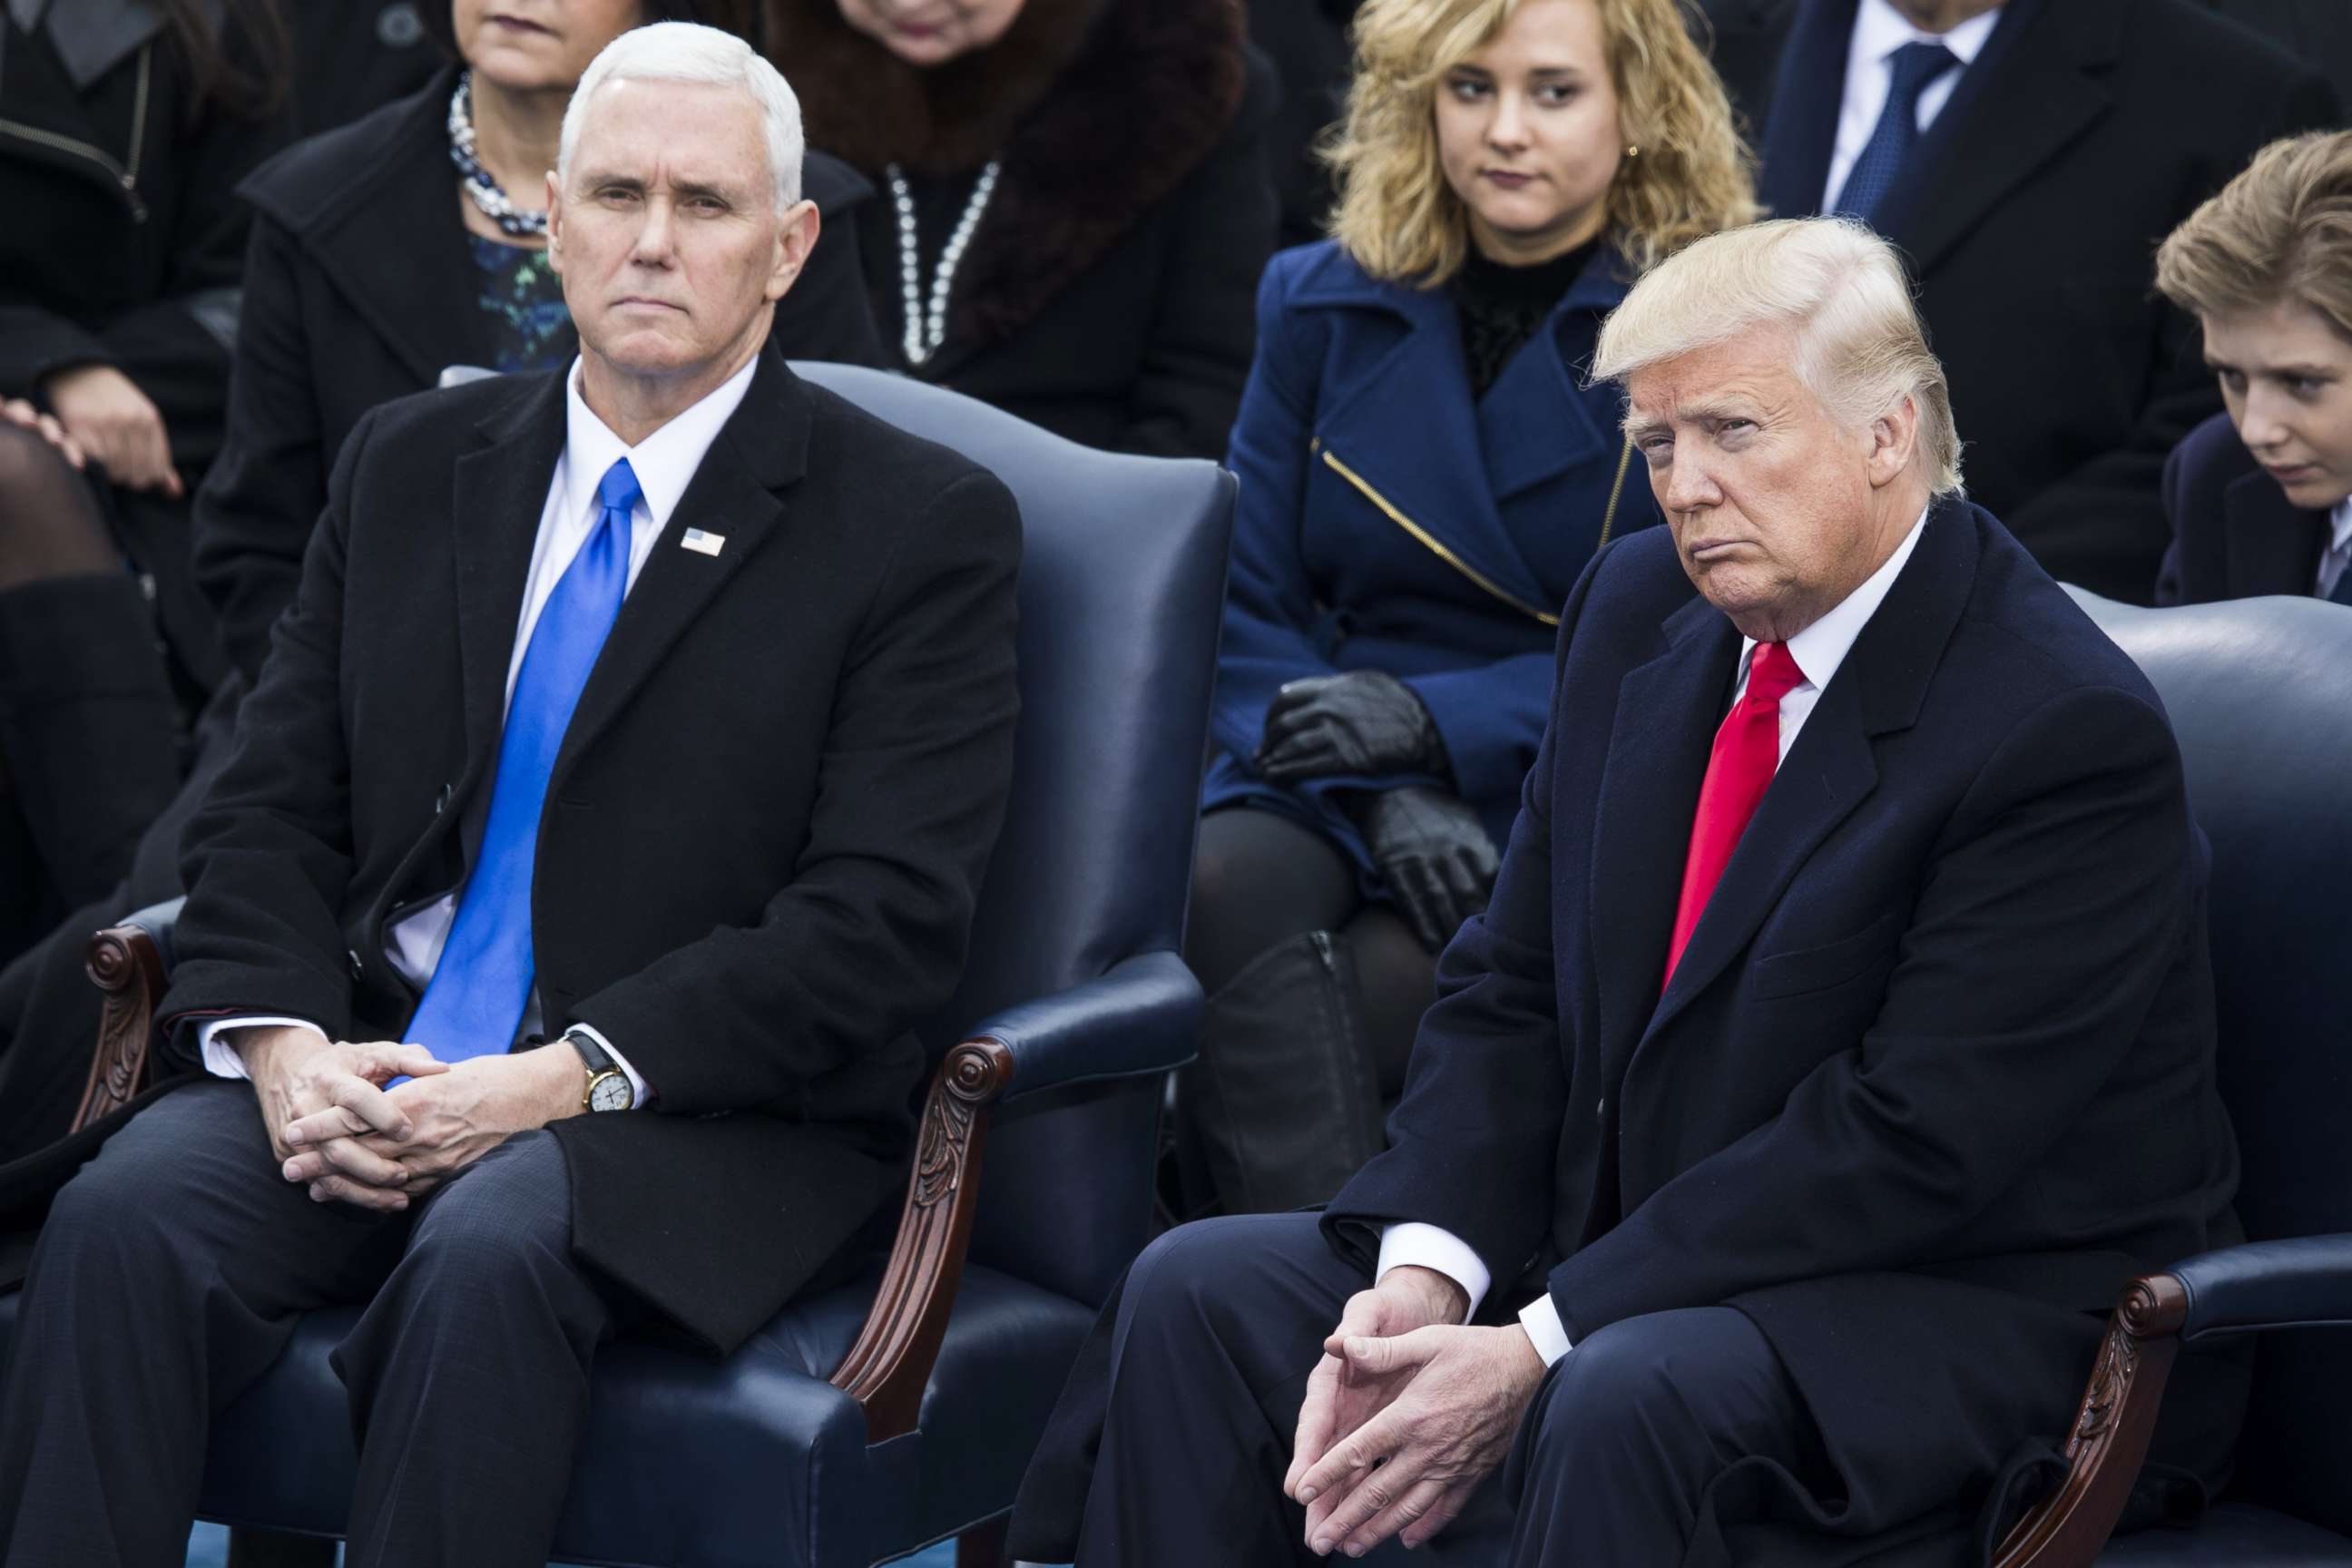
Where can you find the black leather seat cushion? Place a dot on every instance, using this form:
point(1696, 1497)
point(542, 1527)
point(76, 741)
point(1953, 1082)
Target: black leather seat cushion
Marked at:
point(2234, 1535)
point(676, 1444)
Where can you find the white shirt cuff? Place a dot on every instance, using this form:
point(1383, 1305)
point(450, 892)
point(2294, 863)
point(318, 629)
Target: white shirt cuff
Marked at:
point(1540, 1318)
point(220, 1054)
point(1412, 1243)
point(638, 1093)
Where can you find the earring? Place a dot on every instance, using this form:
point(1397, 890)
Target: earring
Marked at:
point(1633, 152)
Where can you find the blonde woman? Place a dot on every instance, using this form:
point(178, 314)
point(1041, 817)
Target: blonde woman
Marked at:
point(2259, 496)
point(1424, 473)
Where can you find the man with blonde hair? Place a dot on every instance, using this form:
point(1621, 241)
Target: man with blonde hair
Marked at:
point(1838, 1039)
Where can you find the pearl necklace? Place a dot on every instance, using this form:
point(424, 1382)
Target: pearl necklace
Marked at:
point(922, 332)
point(496, 205)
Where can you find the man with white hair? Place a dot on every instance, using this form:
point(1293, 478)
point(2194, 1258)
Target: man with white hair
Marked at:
point(1837, 1042)
point(611, 807)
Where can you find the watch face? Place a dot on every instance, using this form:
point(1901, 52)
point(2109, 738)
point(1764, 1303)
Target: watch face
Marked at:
point(610, 1092)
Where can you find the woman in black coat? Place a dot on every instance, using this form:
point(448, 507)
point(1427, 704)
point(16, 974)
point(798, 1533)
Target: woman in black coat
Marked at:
point(364, 283)
point(124, 127)
point(1077, 201)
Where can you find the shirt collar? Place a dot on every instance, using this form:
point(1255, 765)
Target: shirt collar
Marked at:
point(1879, 29)
point(1821, 647)
point(664, 462)
point(2339, 526)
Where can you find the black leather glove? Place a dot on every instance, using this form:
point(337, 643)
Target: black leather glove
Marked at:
point(1433, 854)
point(1360, 722)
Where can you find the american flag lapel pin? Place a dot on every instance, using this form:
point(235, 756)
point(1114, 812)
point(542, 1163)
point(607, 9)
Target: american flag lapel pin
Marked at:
point(706, 543)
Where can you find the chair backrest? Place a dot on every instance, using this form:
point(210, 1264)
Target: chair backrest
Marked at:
point(1122, 582)
point(2259, 693)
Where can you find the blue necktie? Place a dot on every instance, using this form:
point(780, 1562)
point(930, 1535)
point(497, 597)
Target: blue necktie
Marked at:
point(2342, 595)
point(479, 990)
point(1874, 171)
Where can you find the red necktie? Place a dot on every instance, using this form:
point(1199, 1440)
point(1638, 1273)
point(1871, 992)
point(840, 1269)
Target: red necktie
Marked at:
point(1739, 772)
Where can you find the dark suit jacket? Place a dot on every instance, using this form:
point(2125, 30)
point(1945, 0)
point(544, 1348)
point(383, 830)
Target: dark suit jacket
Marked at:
point(1935, 1074)
point(361, 288)
point(2085, 131)
point(1359, 411)
point(763, 835)
point(2234, 533)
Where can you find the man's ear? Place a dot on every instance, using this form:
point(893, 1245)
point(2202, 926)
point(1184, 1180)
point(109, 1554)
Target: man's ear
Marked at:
point(796, 233)
point(554, 223)
point(1894, 442)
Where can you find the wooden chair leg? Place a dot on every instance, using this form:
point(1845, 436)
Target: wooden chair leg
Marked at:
point(983, 1546)
point(272, 1548)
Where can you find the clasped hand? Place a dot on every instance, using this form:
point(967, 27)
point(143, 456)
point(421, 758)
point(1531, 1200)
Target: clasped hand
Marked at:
point(338, 1131)
point(1404, 1414)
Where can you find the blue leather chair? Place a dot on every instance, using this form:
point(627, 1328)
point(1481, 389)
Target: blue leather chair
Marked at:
point(2260, 692)
point(876, 1418)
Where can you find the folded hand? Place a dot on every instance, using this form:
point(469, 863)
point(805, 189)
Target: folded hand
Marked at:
point(431, 1127)
point(1409, 1470)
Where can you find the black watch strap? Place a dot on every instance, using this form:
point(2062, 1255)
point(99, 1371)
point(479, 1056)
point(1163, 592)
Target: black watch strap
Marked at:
point(597, 1057)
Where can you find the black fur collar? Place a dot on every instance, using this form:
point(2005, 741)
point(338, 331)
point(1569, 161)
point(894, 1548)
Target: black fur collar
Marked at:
point(1097, 108)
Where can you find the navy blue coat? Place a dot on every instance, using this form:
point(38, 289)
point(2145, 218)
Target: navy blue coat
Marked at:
point(2234, 533)
point(1389, 521)
point(1934, 1075)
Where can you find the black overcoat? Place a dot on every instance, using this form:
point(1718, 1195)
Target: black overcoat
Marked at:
point(2234, 533)
point(2081, 136)
point(764, 833)
point(1108, 293)
point(360, 290)
point(1935, 1074)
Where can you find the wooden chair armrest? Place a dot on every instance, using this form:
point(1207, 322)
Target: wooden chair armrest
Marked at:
point(888, 1367)
point(123, 963)
point(2110, 1437)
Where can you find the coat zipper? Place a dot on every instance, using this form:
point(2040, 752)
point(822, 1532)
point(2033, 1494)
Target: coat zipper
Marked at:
point(1616, 488)
point(127, 178)
point(1429, 541)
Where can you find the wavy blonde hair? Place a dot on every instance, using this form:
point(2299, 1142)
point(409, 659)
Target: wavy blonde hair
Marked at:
point(2280, 231)
point(1398, 218)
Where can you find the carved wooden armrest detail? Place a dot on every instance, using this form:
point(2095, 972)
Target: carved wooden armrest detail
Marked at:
point(2068, 1528)
point(121, 961)
point(888, 1367)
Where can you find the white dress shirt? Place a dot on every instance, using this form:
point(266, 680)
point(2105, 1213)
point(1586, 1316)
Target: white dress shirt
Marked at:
point(2338, 554)
point(664, 464)
point(1818, 650)
point(1879, 29)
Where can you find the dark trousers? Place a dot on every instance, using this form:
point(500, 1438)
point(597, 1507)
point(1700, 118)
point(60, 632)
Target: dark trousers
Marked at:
point(169, 1278)
point(1220, 1324)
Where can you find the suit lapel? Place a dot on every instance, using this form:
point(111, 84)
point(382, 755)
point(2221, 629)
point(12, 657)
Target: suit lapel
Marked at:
point(2270, 545)
point(1658, 746)
point(1801, 129)
point(2035, 89)
point(1534, 423)
point(1831, 769)
point(498, 496)
point(1407, 432)
point(762, 448)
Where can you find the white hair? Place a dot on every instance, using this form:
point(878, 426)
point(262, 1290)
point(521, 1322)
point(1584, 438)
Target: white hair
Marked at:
point(687, 51)
point(1861, 347)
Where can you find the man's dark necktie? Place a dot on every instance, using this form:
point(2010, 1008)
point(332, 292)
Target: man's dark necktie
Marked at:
point(481, 987)
point(1875, 171)
point(2343, 594)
